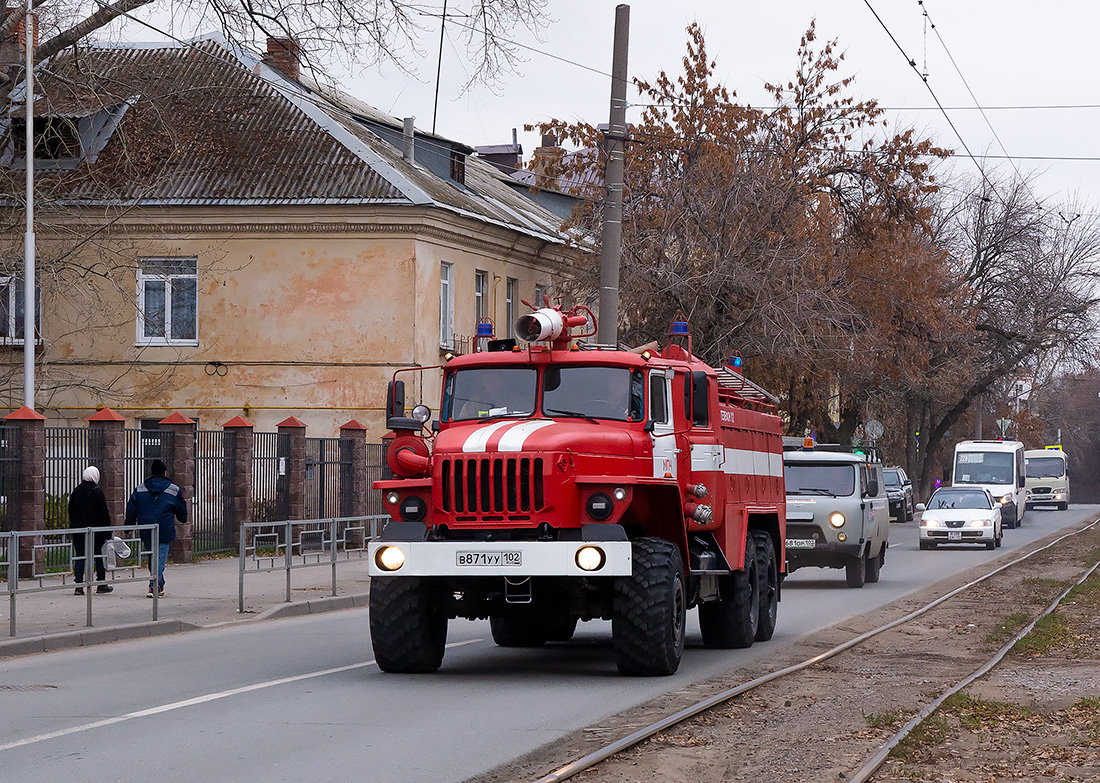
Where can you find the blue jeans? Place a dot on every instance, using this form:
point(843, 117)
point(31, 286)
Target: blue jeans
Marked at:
point(162, 558)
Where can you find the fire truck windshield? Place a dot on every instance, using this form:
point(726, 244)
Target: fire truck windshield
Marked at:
point(592, 392)
point(490, 392)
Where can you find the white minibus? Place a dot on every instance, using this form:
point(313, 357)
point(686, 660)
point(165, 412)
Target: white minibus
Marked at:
point(1047, 478)
point(996, 465)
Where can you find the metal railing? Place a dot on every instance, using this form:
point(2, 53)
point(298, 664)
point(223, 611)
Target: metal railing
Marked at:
point(290, 545)
point(44, 559)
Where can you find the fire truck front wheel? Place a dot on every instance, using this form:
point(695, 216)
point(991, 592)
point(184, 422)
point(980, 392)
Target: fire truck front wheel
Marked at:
point(734, 619)
point(408, 628)
point(649, 611)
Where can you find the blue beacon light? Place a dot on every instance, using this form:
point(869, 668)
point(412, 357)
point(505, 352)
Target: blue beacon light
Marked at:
point(680, 328)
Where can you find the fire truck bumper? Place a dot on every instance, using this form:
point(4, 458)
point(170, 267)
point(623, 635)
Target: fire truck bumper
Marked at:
point(500, 558)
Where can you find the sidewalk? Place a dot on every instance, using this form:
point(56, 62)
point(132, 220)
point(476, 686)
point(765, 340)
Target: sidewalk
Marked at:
point(197, 595)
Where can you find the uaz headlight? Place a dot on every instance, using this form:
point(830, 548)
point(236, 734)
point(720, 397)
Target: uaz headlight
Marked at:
point(836, 519)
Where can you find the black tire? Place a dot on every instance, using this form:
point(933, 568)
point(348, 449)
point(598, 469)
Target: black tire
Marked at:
point(767, 572)
point(733, 621)
point(855, 572)
point(910, 511)
point(408, 629)
point(517, 632)
point(874, 566)
point(924, 545)
point(990, 544)
point(1063, 506)
point(561, 630)
point(649, 611)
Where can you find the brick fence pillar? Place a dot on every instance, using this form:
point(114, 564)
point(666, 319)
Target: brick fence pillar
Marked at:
point(107, 442)
point(238, 444)
point(291, 483)
point(183, 476)
point(353, 474)
point(31, 514)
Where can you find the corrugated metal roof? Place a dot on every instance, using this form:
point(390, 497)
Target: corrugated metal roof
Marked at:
point(208, 124)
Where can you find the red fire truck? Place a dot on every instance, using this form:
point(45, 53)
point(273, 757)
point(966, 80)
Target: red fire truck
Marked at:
point(566, 482)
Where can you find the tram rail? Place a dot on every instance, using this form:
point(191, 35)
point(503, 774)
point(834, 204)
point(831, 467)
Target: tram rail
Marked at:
point(638, 736)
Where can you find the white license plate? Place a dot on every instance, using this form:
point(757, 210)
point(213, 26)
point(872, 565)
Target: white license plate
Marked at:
point(800, 543)
point(502, 559)
point(954, 535)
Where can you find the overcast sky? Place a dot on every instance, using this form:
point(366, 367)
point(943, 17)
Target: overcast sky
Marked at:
point(1010, 54)
point(1024, 62)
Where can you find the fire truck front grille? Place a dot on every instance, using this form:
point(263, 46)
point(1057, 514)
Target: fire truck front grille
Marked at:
point(492, 485)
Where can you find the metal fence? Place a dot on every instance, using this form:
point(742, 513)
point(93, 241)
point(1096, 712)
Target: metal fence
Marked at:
point(69, 450)
point(270, 495)
point(207, 506)
point(288, 546)
point(11, 476)
point(142, 447)
point(377, 470)
point(327, 495)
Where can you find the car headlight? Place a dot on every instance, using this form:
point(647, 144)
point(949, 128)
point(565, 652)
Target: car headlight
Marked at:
point(389, 558)
point(590, 558)
point(1058, 496)
point(929, 522)
point(979, 523)
point(836, 519)
point(1006, 499)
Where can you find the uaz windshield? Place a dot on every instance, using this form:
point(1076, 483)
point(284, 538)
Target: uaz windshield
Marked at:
point(805, 479)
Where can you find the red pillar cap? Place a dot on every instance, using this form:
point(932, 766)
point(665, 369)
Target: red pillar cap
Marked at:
point(177, 418)
point(290, 421)
point(352, 425)
point(237, 421)
point(106, 414)
point(25, 413)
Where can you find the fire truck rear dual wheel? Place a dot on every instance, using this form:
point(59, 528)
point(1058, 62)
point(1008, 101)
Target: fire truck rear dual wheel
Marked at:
point(767, 569)
point(649, 610)
point(733, 621)
point(408, 628)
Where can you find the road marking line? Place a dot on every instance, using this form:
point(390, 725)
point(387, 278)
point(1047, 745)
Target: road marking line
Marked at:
point(197, 700)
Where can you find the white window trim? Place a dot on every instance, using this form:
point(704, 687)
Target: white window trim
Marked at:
point(446, 305)
point(511, 292)
point(142, 278)
point(9, 280)
point(481, 294)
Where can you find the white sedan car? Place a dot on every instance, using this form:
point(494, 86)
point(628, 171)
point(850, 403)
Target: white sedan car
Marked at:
point(960, 515)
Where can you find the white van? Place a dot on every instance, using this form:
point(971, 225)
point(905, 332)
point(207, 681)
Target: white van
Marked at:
point(996, 465)
point(1047, 479)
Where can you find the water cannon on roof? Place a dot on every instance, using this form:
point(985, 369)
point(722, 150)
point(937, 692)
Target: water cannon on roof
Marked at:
point(554, 325)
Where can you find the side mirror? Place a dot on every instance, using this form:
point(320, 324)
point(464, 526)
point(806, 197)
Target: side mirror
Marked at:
point(921, 507)
point(395, 409)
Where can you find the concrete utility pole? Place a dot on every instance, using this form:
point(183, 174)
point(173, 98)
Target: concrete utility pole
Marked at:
point(608, 329)
point(28, 241)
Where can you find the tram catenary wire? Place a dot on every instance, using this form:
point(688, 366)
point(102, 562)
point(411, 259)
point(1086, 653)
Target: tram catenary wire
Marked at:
point(607, 751)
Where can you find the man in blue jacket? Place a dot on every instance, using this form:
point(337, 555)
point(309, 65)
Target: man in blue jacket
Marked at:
point(157, 501)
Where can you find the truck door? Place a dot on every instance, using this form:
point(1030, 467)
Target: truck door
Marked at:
point(665, 451)
point(707, 453)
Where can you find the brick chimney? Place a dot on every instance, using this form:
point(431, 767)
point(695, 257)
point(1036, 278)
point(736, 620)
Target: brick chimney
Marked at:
point(546, 162)
point(284, 55)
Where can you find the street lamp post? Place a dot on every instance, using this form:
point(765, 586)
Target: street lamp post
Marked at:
point(28, 242)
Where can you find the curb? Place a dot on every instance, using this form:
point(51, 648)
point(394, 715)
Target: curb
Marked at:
point(129, 632)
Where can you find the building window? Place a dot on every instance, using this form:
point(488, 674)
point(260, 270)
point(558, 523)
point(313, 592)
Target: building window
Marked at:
point(12, 299)
point(446, 305)
point(458, 167)
point(541, 292)
point(511, 299)
point(168, 301)
point(481, 294)
point(55, 138)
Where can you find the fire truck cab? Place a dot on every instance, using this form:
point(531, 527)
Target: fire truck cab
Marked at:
point(567, 483)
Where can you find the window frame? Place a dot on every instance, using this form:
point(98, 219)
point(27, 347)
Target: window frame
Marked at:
point(15, 286)
point(481, 294)
point(168, 279)
point(446, 304)
point(511, 289)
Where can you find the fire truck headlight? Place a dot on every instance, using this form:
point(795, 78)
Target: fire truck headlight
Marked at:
point(836, 519)
point(422, 413)
point(599, 506)
point(392, 498)
point(389, 558)
point(619, 493)
point(590, 558)
point(413, 509)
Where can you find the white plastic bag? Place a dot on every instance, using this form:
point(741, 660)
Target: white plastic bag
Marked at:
point(113, 549)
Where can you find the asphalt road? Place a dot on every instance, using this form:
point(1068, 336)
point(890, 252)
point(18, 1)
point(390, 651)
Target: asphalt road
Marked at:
point(301, 700)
